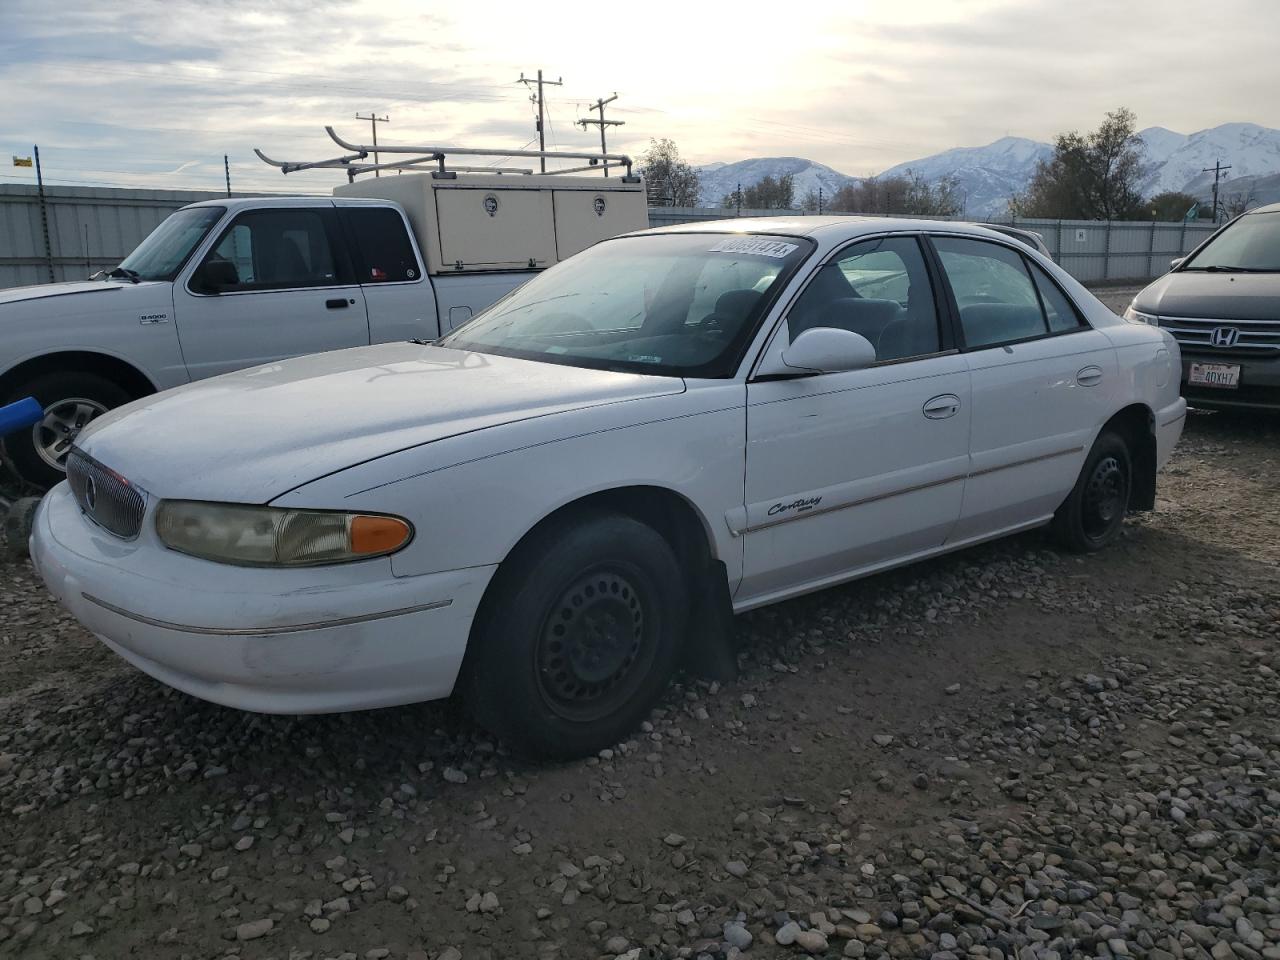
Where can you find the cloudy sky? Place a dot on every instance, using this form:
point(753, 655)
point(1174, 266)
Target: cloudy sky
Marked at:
point(154, 93)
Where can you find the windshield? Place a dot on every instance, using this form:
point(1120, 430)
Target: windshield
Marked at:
point(162, 254)
point(1250, 245)
point(668, 304)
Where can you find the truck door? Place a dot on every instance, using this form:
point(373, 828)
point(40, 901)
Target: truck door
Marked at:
point(397, 292)
point(277, 283)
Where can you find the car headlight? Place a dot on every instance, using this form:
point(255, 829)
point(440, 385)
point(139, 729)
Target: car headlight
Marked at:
point(256, 536)
point(1137, 316)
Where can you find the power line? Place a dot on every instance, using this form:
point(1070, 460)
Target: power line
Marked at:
point(374, 120)
point(1217, 170)
point(542, 140)
point(602, 123)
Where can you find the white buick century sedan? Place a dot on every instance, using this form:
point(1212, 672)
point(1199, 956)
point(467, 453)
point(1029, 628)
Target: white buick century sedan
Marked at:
point(552, 507)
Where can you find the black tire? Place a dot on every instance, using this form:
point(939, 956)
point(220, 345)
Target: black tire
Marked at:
point(52, 389)
point(577, 637)
point(1094, 511)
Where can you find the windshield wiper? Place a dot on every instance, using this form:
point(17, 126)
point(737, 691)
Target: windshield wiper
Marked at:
point(1217, 268)
point(131, 275)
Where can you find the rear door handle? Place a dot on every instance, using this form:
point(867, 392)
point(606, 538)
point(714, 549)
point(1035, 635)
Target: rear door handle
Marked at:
point(1089, 376)
point(941, 407)
point(338, 304)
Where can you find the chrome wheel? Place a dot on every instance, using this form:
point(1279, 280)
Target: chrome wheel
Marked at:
point(592, 651)
point(1105, 496)
point(63, 420)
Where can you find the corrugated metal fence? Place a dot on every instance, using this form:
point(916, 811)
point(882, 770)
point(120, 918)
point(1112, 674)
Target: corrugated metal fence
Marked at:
point(91, 228)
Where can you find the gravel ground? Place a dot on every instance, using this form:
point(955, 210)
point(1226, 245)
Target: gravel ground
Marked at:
point(1007, 753)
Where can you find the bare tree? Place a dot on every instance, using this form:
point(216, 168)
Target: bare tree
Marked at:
point(769, 193)
point(671, 181)
point(1237, 203)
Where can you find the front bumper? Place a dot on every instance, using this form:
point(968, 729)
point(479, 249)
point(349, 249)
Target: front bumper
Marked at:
point(1259, 381)
point(308, 640)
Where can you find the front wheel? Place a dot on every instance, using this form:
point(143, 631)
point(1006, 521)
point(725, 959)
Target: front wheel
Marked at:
point(577, 637)
point(70, 399)
point(1093, 513)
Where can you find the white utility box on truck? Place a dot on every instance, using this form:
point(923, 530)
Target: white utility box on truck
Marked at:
point(226, 284)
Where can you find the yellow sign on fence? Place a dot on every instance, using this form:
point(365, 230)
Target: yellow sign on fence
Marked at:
point(22, 161)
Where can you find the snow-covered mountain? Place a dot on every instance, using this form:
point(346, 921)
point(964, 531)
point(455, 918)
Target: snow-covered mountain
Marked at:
point(721, 179)
point(988, 176)
point(1176, 161)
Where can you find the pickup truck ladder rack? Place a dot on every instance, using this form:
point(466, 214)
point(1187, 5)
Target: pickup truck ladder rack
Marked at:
point(434, 154)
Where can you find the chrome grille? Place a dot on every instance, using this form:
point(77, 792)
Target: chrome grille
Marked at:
point(106, 498)
point(1250, 337)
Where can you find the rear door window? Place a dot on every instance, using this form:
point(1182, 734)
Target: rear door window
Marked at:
point(381, 247)
point(995, 295)
point(1060, 311)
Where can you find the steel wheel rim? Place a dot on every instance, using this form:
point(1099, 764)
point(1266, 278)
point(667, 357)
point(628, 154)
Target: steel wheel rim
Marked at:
point(1105, 497)
point(593, 647)
point(63, 420)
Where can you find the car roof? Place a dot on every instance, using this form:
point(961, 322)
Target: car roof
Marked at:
point(1269, 208)
point(825, 229)
point(267, 200)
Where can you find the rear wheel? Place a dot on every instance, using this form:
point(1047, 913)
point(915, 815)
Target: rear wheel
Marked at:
point(577, 636)
point(70, 399)
point(1093, 513)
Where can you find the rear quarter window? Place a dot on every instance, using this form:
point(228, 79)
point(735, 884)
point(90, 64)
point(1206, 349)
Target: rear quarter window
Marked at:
point(381, 250)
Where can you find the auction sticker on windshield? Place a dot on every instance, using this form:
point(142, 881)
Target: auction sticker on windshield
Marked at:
point(760, 247)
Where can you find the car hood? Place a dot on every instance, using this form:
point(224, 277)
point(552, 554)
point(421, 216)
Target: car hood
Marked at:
point(1213, 296)
point(76, 288)
point(252, 435)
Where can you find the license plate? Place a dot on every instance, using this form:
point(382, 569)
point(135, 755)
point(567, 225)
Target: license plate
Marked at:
point(1225, 376)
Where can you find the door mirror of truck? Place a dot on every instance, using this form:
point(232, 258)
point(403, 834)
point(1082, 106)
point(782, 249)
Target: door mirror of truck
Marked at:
point(214, 276)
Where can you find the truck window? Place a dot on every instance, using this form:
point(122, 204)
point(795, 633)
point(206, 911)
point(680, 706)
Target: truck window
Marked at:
point(380, 245)
point(277, 250)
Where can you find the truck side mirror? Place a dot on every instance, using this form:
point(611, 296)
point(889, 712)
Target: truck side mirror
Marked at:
point(214, 276)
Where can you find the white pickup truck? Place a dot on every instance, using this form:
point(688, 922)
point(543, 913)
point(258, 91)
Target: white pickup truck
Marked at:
point(227, 284)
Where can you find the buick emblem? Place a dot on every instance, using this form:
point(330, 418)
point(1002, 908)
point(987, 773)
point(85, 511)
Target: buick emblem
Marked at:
point(1224, 337)
point(90, 493)
point(598, 205)
point(490, 204)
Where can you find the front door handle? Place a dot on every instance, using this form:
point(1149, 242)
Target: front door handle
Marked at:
point(338, 304)
point(939, 408)
point(1089, 376)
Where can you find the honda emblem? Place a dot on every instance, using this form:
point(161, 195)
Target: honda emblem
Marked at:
point(1224, 337)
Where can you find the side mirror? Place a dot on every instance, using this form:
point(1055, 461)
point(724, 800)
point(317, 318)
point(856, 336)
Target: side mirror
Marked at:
point(214, 276)
point(1176, 262)
point(822, 350)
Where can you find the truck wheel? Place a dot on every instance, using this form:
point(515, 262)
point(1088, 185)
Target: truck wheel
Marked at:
point(1093, 513)
point(577, 637)
point(70, 400)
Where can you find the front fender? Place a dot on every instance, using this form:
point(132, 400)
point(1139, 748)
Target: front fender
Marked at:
point(472, 498)
point(133, 323)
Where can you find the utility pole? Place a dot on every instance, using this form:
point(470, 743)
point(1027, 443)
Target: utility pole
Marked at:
point(44, 215)
point(819, 201)
point(602, 122)
point(537, 98)
point(374, 120)
point(226, 169)
point(1217, 170)
point(737, 194)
